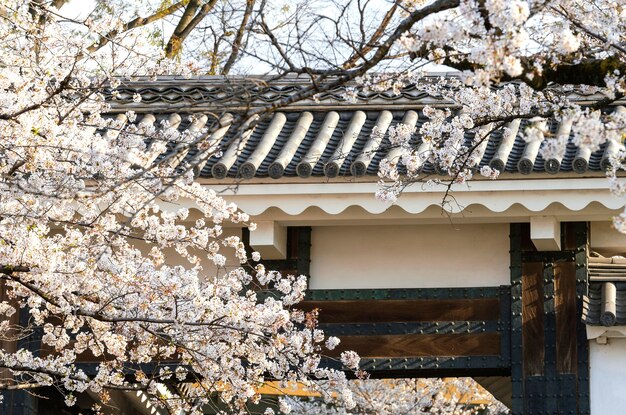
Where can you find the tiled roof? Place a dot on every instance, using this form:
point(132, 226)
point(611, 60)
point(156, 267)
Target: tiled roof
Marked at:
point(329, 138)
point(219, 92)
point(606, 302)
point(339, 143)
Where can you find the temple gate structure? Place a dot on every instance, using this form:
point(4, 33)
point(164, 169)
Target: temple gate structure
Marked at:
point(517, 282)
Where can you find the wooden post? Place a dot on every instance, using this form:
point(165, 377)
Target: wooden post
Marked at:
point(549, 352)
point(20, 402)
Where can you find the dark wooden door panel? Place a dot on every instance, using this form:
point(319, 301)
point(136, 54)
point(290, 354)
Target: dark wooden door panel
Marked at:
point(421, 345)
point(378, 311)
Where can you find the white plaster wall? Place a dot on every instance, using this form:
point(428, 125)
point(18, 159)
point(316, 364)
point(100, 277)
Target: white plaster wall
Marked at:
point(608, 377)
point(606, 240)
point(209, 269)
point(409, 256)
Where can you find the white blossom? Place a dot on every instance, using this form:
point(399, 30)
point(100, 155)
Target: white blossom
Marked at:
point(568, 42)
point(332, 342)
point(112, 253)
point(489, 172)
point(406, 396)
point(350, 359)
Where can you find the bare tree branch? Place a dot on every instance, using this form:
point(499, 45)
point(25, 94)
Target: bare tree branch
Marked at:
point(361, 53)
point(135, 23)
point(187, 23)
point(62, 86)
point(238, 38)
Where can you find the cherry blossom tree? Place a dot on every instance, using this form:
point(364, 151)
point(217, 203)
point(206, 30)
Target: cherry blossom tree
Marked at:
point(510, 60)
point(89, 221)
point(459, 396)
point(514, 60)
point(88, 228)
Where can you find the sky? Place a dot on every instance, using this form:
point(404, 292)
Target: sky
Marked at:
point(80, 9)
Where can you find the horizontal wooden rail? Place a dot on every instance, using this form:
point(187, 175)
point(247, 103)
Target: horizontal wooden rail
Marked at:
point(377, 311)
point(421, 345)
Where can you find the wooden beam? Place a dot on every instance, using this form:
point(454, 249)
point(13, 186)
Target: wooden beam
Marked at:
point(378, 311)
point(421, 345)
point(566, 316)
point(545, 232)
point(269, 239)
point(533, 337)
point(7, 345)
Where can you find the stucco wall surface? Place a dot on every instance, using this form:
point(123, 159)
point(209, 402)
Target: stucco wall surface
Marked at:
point(606, 240)
point(209, 269)
point(412, 256)
point(608, 377)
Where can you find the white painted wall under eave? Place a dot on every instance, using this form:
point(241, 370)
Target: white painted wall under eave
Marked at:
point(606, 240)
point(409, 256)
point(209, 269)
point(608, 377)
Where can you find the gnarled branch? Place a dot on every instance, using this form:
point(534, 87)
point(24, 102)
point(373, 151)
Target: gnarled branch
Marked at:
point(186, 24)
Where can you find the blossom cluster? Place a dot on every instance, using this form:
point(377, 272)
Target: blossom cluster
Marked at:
point(117, 256)
point(528, 45)
point(407, 396)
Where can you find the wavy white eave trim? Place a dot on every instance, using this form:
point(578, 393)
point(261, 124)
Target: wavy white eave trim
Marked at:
point(497, 196)
point(594, 332)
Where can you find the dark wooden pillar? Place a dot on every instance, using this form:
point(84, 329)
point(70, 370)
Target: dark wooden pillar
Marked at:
point(18, 402)
point(298, 258)
point(21, 402)
point(549, 349)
